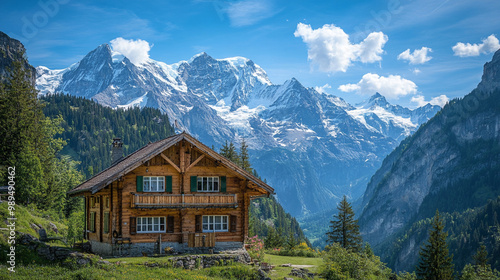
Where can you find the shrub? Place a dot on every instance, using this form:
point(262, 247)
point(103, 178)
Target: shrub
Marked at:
point(237, 271)
point(256, 248)
point(345, 264)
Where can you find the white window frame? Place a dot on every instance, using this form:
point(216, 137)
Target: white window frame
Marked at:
point(151, 224)
point(208, 184)
point(215, 223)
point(157, 181)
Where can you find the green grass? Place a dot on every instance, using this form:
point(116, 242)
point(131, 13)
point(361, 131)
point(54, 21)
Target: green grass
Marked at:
point(133, 268)
point(280, 272)
point(25, 218)
point(129, 272)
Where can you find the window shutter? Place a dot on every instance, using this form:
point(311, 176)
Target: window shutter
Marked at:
point(139, 184)
point(168, 184)
point(223, 183)
point(133, 225)
point(194, 183)
point(233, 220)
point(197, 223)
point(170, 224)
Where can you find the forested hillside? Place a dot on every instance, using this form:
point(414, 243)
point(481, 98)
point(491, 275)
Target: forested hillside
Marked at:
point(266, 215)
point(467, 231)
point(89, 129)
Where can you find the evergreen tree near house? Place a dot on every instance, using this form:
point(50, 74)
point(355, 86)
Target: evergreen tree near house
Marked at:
point(28, 144)
point(435, 260)
point(228, 151)
point(244, 157)
point(344, 228)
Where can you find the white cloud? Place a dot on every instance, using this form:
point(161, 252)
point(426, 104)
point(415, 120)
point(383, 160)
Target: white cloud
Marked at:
point(248, 12)
point(322, 89)
point(137, 51)
point(391, 87)
point(416, 71)
point(438, 100)
point(330, 49)
point(489, 45)
point(417, 57)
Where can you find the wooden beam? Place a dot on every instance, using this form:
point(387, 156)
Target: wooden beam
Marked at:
point(182, 157)
point(170, 162)
point(195, 162)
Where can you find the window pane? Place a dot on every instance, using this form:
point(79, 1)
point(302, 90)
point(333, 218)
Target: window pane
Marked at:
point(218, 219)
point(162, 227)
point(161, 184)
point(156, 228)
point(205, 219)
point(162, 220)
point(211, 227)
point(210, 183)
point(205, 226)
point(224, 226)
point(224, 219)
point(146, 184)
point(216, 184)
point(217, 226)
point(144, 228)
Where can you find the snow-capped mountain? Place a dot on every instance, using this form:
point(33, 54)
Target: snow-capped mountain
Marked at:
point(311, 147)
point(394, 121)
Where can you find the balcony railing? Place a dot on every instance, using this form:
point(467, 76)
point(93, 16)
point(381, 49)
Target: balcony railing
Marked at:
point(205, 200)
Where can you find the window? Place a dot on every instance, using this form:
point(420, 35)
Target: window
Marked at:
point(208, 184)
point(106, 222)
point(215, 223)
point(92, 202)
point(107, 202)
point(150, 224)
point(154, 184)
point(92, 222)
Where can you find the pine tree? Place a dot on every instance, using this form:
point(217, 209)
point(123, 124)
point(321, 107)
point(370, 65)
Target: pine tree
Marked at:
point(481, 257)
point(344, 228)
point(435, 261)
point(244, 157)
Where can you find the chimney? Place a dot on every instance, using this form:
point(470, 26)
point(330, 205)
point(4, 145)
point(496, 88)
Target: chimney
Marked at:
point(116, 150)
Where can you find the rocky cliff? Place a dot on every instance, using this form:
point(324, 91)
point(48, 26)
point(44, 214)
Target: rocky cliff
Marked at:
point(12, 50)
point(450, 163)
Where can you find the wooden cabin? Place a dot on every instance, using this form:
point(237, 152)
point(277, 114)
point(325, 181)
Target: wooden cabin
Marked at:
point(174, 194)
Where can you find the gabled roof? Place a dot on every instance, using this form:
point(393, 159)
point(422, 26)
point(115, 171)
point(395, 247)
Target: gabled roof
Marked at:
point(137, 158)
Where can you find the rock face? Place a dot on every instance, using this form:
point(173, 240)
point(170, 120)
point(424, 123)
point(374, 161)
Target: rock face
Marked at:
point(311, 147)
point(459, 144)
point(12, 50)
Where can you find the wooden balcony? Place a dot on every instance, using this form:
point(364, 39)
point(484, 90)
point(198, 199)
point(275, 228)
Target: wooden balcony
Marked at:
point(201, 200)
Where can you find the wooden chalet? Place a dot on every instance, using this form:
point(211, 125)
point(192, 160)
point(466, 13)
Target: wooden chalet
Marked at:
point(175, 193)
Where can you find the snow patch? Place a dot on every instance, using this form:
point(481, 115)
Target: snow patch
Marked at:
point(138, 102)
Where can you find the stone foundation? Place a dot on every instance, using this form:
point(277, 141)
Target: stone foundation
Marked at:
point(141, 249)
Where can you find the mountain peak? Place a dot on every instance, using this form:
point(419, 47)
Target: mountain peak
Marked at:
point(375, 100)
point(491, 74)
point(202, 55)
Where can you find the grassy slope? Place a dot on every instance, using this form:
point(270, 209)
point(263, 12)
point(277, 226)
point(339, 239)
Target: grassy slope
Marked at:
point(280, 272)
point(25, 218)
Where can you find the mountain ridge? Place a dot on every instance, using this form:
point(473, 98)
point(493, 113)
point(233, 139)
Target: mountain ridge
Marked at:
point(292, 130)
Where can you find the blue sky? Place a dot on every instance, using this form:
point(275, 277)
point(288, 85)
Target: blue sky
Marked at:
point(346, 48)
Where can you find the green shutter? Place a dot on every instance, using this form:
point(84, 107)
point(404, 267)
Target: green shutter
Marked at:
point(139, 184)
point(194, 183)
point(223, 183)
point(168, 182)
